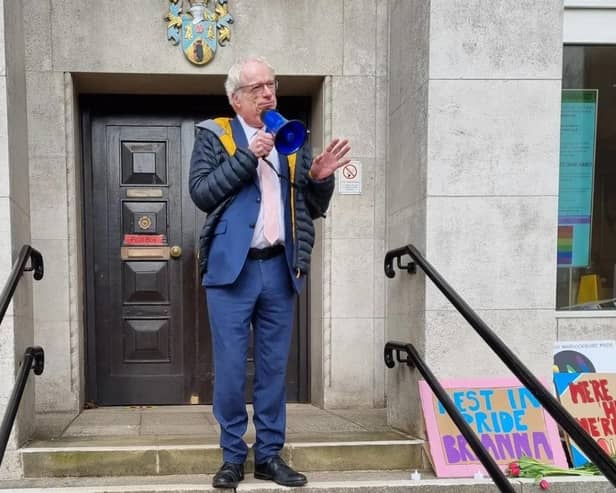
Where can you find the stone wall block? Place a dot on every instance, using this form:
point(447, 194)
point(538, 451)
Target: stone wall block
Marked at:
point(17, 129)
point(382, 36)
point(48, 198)
point(352, 216)
point(38, 41)
point(140, 43)
point(19, 236)
point(3, 36)
point(494, 137)
point(52, 292)
point(56, 379)
point(378, 387)
point(407, 226)
point(596, 328)
point(408, 50)
point(508, 39)
point(352, 369)
point(381, 114)
point(352, 278)
point(6, 249)
point(137, 32)
point(11, 463)
point(5, 175)
point(380, 198)
point(403, 402)
point(407, 164)
point(353, 113)
point(379, 278)
point(405, 297)
point(7, 357)
point(360, 28)
point(496, 252)
point(530, 334)
point(46, 114)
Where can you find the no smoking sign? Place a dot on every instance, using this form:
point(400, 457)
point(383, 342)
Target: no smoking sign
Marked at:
point(349, 179)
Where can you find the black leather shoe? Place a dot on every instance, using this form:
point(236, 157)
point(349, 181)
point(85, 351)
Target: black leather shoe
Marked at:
point(228, 476)
point(277, 471)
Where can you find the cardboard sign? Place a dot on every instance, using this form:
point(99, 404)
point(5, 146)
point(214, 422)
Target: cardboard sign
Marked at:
point(505, 416)
point(590, 399)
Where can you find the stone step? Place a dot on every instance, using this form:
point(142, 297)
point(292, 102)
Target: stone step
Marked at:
point(162, 456)
point(319, 482)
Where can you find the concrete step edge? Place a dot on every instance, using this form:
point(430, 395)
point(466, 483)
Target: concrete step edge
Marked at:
point(112, 448)
point(161, 460)
point(562, 484)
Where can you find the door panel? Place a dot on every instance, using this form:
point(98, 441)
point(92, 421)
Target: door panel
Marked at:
point(140, 345)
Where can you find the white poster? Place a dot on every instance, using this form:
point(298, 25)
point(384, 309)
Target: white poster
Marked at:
point(585, 357)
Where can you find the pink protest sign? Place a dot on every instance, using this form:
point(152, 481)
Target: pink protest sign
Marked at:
point(508, 420)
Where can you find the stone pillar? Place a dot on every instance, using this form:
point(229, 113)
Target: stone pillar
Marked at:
point(473, 183)
point(16, 328)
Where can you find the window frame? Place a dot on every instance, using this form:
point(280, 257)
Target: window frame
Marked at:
point(588, 22)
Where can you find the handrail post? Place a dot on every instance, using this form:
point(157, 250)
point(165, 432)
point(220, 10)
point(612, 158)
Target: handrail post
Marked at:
point(34, 359)
point(588, 445)
point(19, 267)
point(484, 457)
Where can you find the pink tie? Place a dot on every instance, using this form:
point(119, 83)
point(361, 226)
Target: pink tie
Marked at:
point(271, 203)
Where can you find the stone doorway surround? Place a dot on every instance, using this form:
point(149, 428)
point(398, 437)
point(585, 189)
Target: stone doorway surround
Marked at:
point(57, 185)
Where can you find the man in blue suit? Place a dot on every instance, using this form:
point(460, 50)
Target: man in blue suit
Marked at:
point(255, 253)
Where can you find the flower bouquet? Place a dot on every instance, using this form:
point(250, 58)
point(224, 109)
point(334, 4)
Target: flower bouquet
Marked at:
point(527, 467)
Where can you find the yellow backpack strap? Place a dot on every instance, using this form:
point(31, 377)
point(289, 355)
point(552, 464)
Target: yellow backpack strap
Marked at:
point(221, 127)
point(291, 160)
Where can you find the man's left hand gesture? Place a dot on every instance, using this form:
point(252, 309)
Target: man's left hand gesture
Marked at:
point(330, 159)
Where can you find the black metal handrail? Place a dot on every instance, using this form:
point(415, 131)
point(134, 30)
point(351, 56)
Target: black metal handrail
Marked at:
point(34, 357)
point(592, 450)
point(414, 360)
point(19, 267)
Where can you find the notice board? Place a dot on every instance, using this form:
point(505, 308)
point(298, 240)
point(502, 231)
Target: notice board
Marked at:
point(578, 129)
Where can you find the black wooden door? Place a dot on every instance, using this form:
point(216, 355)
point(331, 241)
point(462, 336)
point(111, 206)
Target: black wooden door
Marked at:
point(148, 332)
point(136, 191)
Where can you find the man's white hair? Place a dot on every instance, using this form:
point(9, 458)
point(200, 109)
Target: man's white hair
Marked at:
point(234, 75)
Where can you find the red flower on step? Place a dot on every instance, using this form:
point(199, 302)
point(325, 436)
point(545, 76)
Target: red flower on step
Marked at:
point(544, 485)
point(514, 469)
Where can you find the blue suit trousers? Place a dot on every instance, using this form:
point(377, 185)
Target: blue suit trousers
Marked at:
point(261, 297)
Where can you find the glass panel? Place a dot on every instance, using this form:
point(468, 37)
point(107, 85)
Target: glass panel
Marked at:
point(587, 192)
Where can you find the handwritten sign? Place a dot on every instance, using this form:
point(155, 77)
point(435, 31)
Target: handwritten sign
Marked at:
point(590, 399)
point(506, 417)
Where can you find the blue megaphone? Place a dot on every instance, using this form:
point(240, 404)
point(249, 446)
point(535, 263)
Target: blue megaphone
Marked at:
point(289, 136)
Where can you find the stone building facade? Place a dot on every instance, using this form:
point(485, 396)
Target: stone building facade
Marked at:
point(452, 108)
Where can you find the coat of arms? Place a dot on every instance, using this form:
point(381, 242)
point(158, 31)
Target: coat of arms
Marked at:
point(199, 28)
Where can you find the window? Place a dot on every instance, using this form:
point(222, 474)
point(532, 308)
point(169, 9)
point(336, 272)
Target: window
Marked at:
point(587, 186)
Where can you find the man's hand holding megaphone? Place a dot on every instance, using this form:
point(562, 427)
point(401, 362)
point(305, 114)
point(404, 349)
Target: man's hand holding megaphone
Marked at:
point(323, 165)
point(332, 158)
point(262, 143)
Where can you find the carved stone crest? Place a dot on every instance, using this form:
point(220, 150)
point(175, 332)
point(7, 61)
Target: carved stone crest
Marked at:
point(199, 28)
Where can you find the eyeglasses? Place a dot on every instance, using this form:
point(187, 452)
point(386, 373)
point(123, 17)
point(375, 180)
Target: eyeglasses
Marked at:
point(257, 89)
